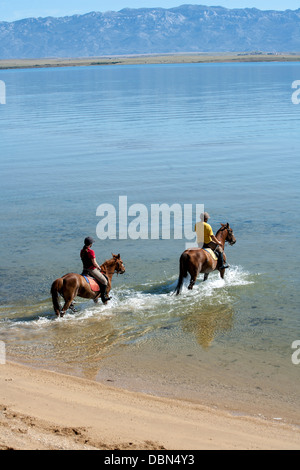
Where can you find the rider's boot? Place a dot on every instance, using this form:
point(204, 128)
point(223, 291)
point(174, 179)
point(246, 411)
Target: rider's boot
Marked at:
point(104, 296)
point(223, 265)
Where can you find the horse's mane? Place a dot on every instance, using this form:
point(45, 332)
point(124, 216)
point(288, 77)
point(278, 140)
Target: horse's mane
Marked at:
point(221, 229)
point(107, 264)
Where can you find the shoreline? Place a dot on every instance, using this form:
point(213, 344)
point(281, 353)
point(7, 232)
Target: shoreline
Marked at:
point(188, 58)
point(40, 409)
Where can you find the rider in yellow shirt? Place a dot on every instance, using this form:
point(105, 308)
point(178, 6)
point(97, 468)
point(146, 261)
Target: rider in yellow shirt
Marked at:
point(206, 238)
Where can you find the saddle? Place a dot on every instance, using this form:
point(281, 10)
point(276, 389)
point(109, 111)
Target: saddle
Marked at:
point(92, 282)
point(211, 252)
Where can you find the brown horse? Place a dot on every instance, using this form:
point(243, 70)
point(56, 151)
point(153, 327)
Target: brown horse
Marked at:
point(71, 285)
point(196, 260)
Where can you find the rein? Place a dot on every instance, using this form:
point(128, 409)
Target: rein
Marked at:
point(221, 230)
point(229, 232)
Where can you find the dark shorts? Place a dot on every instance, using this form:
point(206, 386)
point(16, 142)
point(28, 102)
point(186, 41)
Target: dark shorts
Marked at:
point(216, 248)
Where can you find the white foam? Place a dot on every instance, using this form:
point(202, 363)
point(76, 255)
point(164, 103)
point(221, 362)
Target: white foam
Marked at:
point(143, 302)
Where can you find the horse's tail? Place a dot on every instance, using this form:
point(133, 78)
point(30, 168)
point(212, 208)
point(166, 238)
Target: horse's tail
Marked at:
point(55, 290)
point(182, 271)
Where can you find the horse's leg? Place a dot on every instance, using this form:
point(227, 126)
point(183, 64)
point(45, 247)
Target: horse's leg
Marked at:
point(222, 273)
point(194, 274)
point(69, 293)
point(68, 303)
point(205, 277)
point(72, 307)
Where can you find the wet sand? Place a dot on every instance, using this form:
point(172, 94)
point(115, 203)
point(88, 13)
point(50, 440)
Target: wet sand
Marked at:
point(187, 58)
point(42, 410)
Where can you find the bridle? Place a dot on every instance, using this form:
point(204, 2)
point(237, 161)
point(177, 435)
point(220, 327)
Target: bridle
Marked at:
point(229, 232)
point(119, 269)
point(110, 270)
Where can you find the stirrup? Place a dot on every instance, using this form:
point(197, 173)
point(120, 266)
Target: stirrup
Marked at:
point(105, 298)
point(225, 266)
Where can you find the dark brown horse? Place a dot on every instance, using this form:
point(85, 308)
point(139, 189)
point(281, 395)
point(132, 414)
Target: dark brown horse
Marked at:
point(196, 260)
point(71, 285)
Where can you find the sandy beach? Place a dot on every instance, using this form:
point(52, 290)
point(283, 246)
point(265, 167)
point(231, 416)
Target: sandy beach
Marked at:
point(184, 58)
point(42, 410)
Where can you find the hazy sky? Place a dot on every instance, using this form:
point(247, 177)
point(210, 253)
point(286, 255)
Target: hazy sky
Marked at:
point(11, 10)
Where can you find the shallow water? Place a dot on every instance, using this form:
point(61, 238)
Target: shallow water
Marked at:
point(225, 136)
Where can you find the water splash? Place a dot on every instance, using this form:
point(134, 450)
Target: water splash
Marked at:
point(148, 297)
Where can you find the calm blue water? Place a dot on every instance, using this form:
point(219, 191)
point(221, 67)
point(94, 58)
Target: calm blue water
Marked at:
point(222, 135)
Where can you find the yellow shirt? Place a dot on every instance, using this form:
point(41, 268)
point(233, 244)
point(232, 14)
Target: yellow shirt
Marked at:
point(204, 232)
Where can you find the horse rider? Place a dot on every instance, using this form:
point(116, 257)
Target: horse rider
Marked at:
point(207, 239)
point(92, 268)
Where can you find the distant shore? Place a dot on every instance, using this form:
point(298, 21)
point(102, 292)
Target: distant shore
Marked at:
point(188, 58)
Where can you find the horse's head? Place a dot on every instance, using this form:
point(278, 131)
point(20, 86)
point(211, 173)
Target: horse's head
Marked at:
point(119, 266)
point(230, 238)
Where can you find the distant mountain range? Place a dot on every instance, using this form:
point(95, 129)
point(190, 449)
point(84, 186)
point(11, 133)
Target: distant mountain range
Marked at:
point(188, 28)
